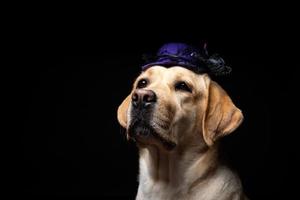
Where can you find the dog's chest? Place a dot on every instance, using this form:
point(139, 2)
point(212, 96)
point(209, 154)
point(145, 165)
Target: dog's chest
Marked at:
point(159, 191)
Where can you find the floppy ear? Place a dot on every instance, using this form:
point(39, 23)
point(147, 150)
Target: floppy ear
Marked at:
point(122, 111)
point(222, 117)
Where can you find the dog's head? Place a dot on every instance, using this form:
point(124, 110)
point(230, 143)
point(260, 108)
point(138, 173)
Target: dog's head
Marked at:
point(174, 106)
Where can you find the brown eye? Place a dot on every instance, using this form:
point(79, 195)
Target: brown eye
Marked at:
point(142, 83)
point(181, 85)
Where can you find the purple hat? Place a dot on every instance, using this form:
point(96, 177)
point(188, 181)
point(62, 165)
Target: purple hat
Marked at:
point(180, 54)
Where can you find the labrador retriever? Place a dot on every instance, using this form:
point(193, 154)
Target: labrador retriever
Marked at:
point(176, 118)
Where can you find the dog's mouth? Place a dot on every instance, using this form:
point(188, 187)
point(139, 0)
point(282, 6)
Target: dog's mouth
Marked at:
point(142, 132)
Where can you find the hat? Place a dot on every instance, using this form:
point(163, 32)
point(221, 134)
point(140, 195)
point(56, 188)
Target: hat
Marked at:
point(187, 56)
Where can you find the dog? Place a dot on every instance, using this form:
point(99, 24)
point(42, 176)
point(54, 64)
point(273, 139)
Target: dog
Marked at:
point(177, 117)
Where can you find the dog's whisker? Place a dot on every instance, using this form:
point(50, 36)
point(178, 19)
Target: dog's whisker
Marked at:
point(162, 125)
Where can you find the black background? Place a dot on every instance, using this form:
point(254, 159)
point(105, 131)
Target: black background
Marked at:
point(78, 74)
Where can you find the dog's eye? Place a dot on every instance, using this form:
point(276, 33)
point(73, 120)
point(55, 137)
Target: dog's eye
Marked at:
point(142, 83)
point(181, 85)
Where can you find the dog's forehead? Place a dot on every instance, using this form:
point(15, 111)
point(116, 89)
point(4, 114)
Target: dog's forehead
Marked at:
point(170, 75)
point(174, 71)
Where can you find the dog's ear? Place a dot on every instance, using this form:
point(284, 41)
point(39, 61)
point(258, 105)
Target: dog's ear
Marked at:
point(122, 111)
point(221, 117)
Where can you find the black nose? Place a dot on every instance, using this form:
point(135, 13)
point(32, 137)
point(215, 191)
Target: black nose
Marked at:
point(144, 98)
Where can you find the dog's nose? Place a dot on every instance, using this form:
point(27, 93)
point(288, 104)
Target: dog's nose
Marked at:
point(144, 98)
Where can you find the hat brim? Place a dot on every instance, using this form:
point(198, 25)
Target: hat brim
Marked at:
point(170, 63)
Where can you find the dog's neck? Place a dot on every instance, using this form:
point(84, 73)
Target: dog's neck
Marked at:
point(192, 164)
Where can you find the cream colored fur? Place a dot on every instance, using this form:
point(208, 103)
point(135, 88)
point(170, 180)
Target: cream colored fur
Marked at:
point(195, 121)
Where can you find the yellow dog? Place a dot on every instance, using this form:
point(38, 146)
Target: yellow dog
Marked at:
point(176, 114)
point(176, 117)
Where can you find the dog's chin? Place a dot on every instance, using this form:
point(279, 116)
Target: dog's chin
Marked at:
point(144, 134)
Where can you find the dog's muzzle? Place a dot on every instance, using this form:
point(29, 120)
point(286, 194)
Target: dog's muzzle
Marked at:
point(140, 128)
point(143, 103)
